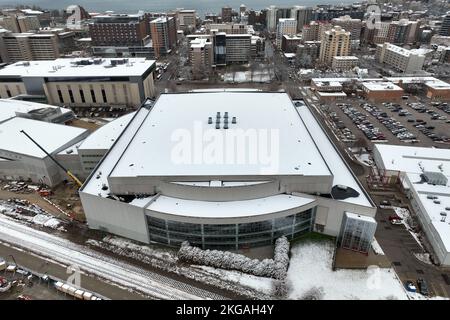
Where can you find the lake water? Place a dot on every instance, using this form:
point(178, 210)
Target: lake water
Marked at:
point(202, 6)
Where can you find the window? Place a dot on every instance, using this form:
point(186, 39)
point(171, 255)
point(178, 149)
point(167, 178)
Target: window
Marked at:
point(8, 92)
point(61, 100)
point(104, 96)
point(83, 100)
point(72, 100)
point(94, 100)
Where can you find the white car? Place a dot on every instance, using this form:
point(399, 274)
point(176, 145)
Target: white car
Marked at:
point(396, 222)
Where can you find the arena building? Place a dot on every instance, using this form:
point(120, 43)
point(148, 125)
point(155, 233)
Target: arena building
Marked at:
point(226, 169)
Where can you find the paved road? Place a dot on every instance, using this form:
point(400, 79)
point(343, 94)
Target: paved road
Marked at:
point(100, 265)
point(44, 266)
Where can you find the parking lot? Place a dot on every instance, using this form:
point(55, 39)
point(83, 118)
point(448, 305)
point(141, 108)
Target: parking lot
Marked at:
point(410, 121)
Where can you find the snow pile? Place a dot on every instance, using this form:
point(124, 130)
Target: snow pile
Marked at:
point(377, 248)
point(310, 276)
point(407, 220)
point(273, 268)
point(418, 296)
point(424, 257)
point(46, 221)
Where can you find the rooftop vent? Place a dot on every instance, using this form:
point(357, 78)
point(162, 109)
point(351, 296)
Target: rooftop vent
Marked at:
point(434, 178)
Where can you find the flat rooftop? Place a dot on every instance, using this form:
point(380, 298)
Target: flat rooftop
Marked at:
point(381, 86)
point(269, 115)
point(432, 209)
point(104, 137)
point(414, 159)
point(67, 67)
point(50, 136)
point(9, 107)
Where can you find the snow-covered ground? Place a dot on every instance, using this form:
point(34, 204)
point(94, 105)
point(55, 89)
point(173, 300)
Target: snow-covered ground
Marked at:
point(407, 220)
point(310, 270)
point(246, 76)
point(424, 257)
point(41, 218)
point(94, 263)
point(256, 283)
point(233, 281)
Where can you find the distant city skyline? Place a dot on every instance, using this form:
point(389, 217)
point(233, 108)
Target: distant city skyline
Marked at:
point(202, 6)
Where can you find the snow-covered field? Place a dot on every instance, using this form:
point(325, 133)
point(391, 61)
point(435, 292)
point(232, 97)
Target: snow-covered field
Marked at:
point(94, 263)
point(310, 270)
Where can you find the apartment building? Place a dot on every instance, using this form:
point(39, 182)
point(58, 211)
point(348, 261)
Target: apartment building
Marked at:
point(28, 23)
point(229, 28)
point(285, 27)
point(400, 59)
point(187, 19)
point(28, 46)
point(303, 15)
point(238, 48)
point(354, 26)
point(289, 43)
point(310, 49)
point(315, 30)
point(164, 35)
point(445, 27)
point(81, 82)
point(227, 14)
point(335, 42)
point(403, 31)
point(344, 63)
point(120, 35)
point(201, 56)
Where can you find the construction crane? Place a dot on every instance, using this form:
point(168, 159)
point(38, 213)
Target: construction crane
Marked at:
point(70, 174)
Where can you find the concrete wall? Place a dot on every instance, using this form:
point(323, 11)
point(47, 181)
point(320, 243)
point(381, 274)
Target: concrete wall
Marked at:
point(115, 217)
point(15, 89)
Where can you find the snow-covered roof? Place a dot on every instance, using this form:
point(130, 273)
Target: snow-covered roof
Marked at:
point(345, 58)
point(68, 67)
point(331, 94)
point(381, 86)
point(432, 207)
point(9, 107)
point(342, 175)
point(414, 159)
point(49, 135)
point(104, 137)
point(360, 217)
point(228, 209)
point(431, 82)
point(186, 114)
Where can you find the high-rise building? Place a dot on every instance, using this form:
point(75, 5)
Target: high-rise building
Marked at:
point(28, 23)
point(403, 60)
point(445, 28)
point(403, 31)
point(315, 30)
point(303, 15)
point(354, 26)
point(9, 23)
point(238, 48)
point(29, 46)
point(120, 34)
point(285, 27)
point(187, 19)
point(271, 18)
point(242, 9)
point(164, 35)
point(20, 23)
point(227, 14)
point(335, 42)
point(201, 56)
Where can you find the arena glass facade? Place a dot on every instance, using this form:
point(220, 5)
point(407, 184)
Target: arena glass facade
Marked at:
point(231, 236)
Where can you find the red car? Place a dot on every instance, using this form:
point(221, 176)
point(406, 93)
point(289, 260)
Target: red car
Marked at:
point(394, 217)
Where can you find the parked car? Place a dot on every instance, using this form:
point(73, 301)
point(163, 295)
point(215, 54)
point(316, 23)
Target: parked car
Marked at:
point(423, 287)
point(396, 222)
point(409, 285)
